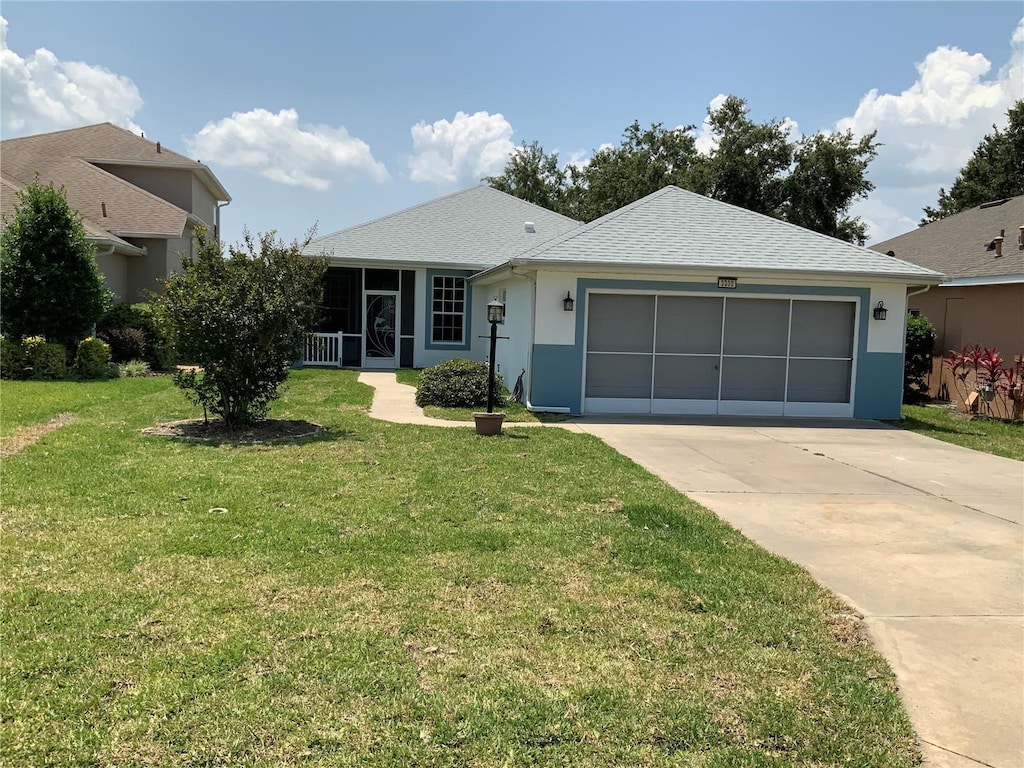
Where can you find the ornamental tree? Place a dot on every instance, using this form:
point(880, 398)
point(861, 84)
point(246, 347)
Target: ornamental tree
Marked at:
point(241, 318)
point(49, 283)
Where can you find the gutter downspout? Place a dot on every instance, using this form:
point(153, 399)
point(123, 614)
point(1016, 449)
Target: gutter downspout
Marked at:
point(217, 219)
point(529, 352)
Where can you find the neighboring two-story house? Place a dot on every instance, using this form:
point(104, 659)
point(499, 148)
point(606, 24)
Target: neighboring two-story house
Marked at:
point(140, 202)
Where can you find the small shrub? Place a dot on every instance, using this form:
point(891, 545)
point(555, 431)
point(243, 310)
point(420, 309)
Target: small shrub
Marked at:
point(92, 360)
point(458, 383)
point(13, 360)
point(125, 344)
point(134, 369)
point(918, 359)
point(159, 349)
point(47, 361)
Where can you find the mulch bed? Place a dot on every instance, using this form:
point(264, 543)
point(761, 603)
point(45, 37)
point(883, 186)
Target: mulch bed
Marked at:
point(269, 431)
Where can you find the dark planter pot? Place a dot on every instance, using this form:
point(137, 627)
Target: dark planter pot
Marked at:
point(488, 424)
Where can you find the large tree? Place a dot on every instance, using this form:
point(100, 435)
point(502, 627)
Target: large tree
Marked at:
point(532, 175)
point(242, 320)
point(995, 170)
point(49, 283)
point(811, 182)
point(646, 160)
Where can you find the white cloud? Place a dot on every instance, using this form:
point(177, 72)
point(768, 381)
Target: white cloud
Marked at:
point(41, 93)
point(279, 149)
point(931, 129)
point(705, 140)
point(465, 149)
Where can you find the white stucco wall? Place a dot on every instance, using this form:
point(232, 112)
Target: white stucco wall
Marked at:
point(888, 335)
point(554, 324)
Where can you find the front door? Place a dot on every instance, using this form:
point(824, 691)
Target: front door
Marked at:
point(380, 329)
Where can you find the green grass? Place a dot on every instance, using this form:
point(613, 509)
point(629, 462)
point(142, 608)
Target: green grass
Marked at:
point(991, 436)
point(388, 594)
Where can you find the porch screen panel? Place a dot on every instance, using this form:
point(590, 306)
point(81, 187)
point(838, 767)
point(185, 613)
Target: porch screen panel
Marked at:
point(822, 329)
point(754, 378)
point(819, 381)
point(620, 346)
point(689, 325)
point(757, 327)
point(686, 377)
point(821, 350)
point(612, 375)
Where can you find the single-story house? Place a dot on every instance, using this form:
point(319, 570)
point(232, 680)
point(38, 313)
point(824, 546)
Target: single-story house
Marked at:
point(981, 301)
point(140, 202)
point(674, 304)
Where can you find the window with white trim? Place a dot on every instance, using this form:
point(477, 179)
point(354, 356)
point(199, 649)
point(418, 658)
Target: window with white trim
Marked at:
point(448, 311)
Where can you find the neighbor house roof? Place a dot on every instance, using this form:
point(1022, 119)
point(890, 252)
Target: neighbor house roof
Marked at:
point(9, 189)
point(473, 229)
point(676, 228)
point(111, 208)
point(104, 144)
point(962, 245)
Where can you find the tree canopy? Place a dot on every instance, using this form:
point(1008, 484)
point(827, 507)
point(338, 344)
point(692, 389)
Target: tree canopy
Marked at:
point(49, 283)
point(995, 170)
point(242, 320)
point(810, 181)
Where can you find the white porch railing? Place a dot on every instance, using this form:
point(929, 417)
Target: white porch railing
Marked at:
point(322, 349)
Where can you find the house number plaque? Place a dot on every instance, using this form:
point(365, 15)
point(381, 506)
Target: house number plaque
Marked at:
point(727, 282)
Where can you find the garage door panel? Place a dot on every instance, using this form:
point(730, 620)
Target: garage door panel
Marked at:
point(753, 379)
point(620, 323)
point(689, 325)
point(685, 377)
point(822, 329)
point(756, 327)
point(627, 376)
point(819, 381)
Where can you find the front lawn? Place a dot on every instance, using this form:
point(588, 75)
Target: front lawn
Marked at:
point(514, 412)
point(989, 435)
point(385, 594)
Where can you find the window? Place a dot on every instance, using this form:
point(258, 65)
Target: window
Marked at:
point(448, 310)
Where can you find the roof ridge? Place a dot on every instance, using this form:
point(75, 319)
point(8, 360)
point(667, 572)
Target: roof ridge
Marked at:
point(450, 195)
point(541, 247)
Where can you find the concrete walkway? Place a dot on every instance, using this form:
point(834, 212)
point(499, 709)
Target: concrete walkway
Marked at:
point(397, 402)
point(923, 538)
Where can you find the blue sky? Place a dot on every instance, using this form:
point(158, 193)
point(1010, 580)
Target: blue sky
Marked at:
point(337, 113)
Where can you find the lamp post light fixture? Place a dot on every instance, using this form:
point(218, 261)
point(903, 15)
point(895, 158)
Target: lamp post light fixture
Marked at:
point(495, 314)
point(568, 302)
point(879, 312)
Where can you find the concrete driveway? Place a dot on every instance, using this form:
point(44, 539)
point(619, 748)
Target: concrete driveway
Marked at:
point(921, 537)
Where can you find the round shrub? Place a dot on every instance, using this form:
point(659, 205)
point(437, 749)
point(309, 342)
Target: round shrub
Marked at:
point(47, 361)
point(92, 361)
point(134, 369)
point(13, 360)
point(458, 383)
point(125, 344)
point(159, 351)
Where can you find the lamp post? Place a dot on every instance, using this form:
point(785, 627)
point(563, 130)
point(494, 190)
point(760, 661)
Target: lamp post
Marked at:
point(495, 312)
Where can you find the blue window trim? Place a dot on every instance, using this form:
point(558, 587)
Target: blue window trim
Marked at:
point(428, 328)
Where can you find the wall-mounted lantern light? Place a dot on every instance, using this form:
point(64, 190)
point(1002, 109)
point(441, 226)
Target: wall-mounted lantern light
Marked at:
point(879, 311)
point(568, 302)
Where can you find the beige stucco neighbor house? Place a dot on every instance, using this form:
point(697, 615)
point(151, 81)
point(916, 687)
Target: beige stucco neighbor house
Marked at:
point(981, 301)
point(140, 202)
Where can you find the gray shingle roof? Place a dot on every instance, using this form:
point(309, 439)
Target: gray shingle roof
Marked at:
point(476, 228)
point(957, 244)
point(676, 228)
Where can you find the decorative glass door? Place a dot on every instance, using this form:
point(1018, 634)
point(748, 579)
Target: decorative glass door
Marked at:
point(380, 329)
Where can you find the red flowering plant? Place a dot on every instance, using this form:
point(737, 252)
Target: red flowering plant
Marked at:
point(982, 370)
